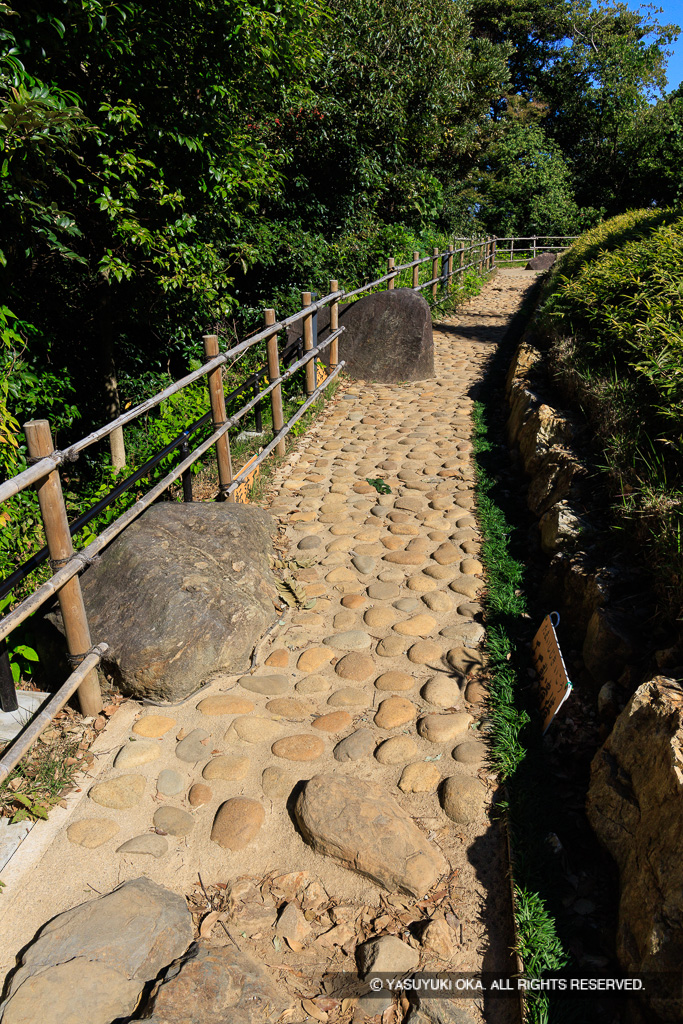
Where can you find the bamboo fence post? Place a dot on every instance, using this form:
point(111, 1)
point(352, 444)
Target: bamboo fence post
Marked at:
point(53, 511)
point(449, 269)
point(273, 374)
point(534, 254)
point(462, 262)
point(435, 272)
point(391, 263)
point(217, 396)
point(306, 300)
point(334, 324)
point(416, 270)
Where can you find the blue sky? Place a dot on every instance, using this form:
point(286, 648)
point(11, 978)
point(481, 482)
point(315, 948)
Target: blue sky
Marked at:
point(673, 12)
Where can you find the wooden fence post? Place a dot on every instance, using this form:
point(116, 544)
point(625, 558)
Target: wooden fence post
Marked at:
point(449, 267)
point(416, 270)
point(273, 374)
point(334, 324)
point(217, 396)
point(391, 263)
point(53, 511)
point(306, 300)
point(462, 262)
point(534, 255)
point(435, 272)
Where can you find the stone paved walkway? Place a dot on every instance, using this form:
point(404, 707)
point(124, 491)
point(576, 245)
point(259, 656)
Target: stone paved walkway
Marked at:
point(380, 681)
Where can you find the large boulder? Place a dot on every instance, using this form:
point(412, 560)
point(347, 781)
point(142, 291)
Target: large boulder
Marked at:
point(361, 825)
point(181, 595)
point(635, 806)
point(544, 261)
point(92, 963)
point(387, 336)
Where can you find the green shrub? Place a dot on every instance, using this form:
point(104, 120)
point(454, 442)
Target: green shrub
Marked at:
point(615, 312)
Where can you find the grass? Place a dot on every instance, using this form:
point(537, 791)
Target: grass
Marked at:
point(516, 727)
point(33, 788)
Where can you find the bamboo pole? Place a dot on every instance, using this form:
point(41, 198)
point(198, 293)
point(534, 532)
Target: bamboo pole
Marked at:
point(42, 719)
point(306, 300)
point(416, 270)
point(435, 272)
point(53, 511)
point(334, 324)
point(273, 374)
point(461, 271)
point(390, 267)
point(449, 269)
point(218, 415)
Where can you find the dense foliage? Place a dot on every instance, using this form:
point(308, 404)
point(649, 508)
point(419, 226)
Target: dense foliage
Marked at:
point(615, 312)
point(168, 169)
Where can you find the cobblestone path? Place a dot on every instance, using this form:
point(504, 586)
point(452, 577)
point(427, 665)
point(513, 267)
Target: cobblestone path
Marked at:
point(380, 682)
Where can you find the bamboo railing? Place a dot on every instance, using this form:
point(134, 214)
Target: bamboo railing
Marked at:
point(43, 472)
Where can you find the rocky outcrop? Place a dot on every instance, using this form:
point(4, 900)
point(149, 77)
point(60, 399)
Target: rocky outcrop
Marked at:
point(182, 595)
point(91, 963)
point(635, 806)
point(362, 826)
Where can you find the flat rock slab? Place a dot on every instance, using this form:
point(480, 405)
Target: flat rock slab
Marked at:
point(91, 963)
point(217, 985)
point(363, 827)
point(182, 595)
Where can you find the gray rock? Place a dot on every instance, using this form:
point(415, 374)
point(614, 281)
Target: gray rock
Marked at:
point(387, 337)
point(191, 749)
point(363, 827)
point(542, 262)
point(364, 564)
point(181, 595)
point(272, 686)
point(360, 743)
point(308, 543)
point(91, 963)
point(386, 954)
point(407, 604)
point(174, 821)
point(148, 844)
point(348, 640)
point(170, 783)
point(438, 1011)
point(217, 985)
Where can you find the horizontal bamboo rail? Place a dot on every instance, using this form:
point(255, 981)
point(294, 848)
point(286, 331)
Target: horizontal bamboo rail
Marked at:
point(43, 717)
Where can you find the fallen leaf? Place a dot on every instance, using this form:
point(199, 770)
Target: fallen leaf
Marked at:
point(313, 1011)
point(347, 1004)
point(326, 1003)
point(208, 923)
point(294, 945)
